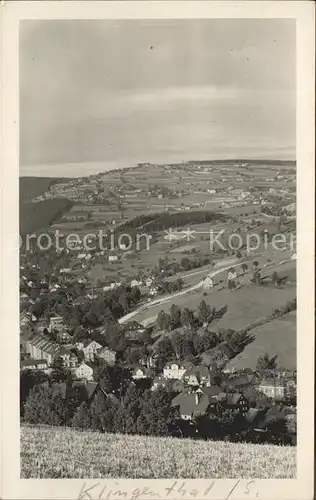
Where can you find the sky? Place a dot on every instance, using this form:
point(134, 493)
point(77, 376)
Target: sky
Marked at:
point(100, 94)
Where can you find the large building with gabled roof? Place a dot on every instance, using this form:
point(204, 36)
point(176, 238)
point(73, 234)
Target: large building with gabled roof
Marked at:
point(40, 347)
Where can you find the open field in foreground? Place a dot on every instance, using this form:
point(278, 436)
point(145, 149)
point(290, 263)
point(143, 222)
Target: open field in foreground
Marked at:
point(66, 453)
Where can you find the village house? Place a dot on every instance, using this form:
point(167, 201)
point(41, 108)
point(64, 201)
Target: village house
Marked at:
point(153, 291)
point(218, 356)
point(24, 318)
point(136, 283)
point(237, 401)
point(107, 355)
point(232, 275)
point(208, 283)
point(68, 359)
point(159, 382)
point(175, 384)
point(65, 270)
point(56, 323)
point(212, 391)
point(240, 383)
point(141, 372)
point(83, 390)
point(198, 375)
point(35, 364)
point(113, 258)
point(274, 388)
point(63, 337)
point(149, 361)
point(176, 370)
point(40, 348)
point(149, 281)
point(276, 413)
point(191, 404)
point(115, 284)
point(89, 348)
point(83, 371)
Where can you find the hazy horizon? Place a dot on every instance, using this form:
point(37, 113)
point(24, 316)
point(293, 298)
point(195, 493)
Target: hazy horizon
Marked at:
point(114, 93)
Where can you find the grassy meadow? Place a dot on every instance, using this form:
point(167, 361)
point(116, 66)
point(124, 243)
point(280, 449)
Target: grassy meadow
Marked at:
point(67, 453)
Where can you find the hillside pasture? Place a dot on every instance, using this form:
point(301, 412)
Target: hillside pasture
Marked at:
point(245, 305)
point(276, 337)
point(65, 453)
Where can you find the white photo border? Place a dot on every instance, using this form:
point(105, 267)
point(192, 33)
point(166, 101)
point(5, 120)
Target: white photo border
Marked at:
point(14, 488)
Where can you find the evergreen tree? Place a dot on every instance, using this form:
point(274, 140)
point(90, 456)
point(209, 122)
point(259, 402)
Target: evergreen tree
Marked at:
point(175, 316)
point(103, 413)
point(81, 418)
point(187, 318)
point(163, 320)
point(44, 407)
point(29, 379)
point(165, 352)
point(204, 312)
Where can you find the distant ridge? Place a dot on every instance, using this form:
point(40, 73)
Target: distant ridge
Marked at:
point(230, 161)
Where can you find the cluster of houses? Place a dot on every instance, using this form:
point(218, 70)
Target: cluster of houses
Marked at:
point(194, 384)
point(42, 352)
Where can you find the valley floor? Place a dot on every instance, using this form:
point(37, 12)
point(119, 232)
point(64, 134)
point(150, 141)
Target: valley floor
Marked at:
point(48, 452)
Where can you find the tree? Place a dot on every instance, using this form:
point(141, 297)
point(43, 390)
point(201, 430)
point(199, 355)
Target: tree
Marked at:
point(244, 267)
point(59, 372)
point(187, 349)
point(204, 312)
point(187, 318)
point(28, 380)
point(157, 413)
point(266, 363)
point(238, 341)
point(163, 320)
point(103, 412)
point(165, 352)
point(176, 341)
point(132, 408)
point(275, 278)
point(179, 284)
point(256, 278)
point(44, 407)
point(113, 379)
point(81, 418)
point(175, 316)
point(208, 425)
point(185, 263)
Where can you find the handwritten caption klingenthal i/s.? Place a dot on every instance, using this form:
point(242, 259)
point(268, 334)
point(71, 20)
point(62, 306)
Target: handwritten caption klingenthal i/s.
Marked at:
point(177, 490)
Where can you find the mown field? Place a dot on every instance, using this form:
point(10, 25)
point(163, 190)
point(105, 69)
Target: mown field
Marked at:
point(66, 453)
point(275, 337)
point(244, 305)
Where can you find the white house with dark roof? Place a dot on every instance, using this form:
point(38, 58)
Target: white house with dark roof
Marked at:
point(90, 349)
point(176, 370)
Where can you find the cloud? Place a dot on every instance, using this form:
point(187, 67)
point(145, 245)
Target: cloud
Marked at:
point(160, 96)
